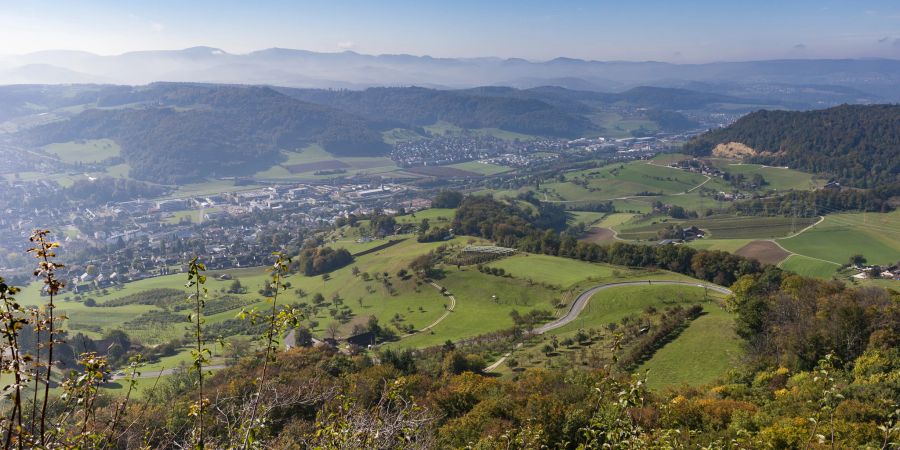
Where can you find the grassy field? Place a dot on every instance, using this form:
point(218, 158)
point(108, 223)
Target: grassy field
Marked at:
point(445, 128)
point(615, 219)
point(585, 217)
point(209, 187)
point(292, 169)
point(553, 270)
point(691, 359)
point(622, 180)
point(728, 245)
point(90, 151)
point(413, 304)
point(483, 304)
point(616, 126)
point(435, 216)
point(688, 359)
point(809, 267)
point(875, 236)
point(721, 227)
point(777, 177)
point(611, 305)
point(481, 168)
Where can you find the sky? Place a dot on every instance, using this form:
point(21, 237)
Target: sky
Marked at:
point(634, 30)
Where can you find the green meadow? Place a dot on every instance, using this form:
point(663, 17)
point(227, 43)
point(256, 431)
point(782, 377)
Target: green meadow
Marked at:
point(873, 235)
point(90, 151)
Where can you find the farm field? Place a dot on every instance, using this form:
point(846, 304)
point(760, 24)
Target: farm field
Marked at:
point(614, 125)
point(434, 215)
point(622, 180)
point(585, 217)
point(481, 168)
point(615, 219)
point(562, 272)
point(809, 267)
point(632, 206)
point(90, 151)
point(724, 227)
point(598, 235)
point(303, 165)
point(440, 171)
point(874, 235)
point(209, 187)
point(766, 252)
point(442, 128)
point(604, 230)
point(727, 245)
point(690, 359)
point(777, 177)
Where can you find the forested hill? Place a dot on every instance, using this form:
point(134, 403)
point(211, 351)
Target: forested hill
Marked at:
point(181, 132)
point(857, 145)
point(415, 106)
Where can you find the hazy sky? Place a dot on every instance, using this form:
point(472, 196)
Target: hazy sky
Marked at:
point(668, 30)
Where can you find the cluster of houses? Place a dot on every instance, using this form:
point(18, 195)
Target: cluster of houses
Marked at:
point(455, 149)
point(687, 234)
point(138, 237)
point(871, 271)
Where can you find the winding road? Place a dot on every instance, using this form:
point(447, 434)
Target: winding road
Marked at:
point(585, 297)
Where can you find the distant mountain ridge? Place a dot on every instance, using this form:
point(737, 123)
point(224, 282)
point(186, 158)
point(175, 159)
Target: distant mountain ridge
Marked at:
point(858, 145)
point(872, 79)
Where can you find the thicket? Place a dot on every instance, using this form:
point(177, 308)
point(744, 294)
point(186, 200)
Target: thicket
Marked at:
point(319, 260)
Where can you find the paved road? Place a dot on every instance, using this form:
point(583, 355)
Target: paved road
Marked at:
point(583, 299)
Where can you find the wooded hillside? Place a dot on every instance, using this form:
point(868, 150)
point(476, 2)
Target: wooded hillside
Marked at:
point(857, 145)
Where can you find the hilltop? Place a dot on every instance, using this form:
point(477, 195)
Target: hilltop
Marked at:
point(854, 144)
point(175, 132)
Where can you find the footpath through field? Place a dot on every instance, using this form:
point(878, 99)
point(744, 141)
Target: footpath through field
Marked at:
point(775, 241)
point(447, 312)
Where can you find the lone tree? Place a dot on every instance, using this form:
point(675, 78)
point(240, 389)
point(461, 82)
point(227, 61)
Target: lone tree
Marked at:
point(857, 260)
point(333, 329)
point(236, 287)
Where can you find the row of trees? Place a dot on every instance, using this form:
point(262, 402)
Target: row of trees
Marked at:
point(510, 226)
point(819, 202)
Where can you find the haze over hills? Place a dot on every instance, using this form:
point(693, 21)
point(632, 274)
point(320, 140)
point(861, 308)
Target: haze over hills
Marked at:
point(238, 129)
point(824, 82)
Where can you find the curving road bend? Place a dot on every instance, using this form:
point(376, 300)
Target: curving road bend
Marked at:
point(585, 297)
